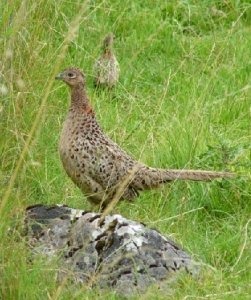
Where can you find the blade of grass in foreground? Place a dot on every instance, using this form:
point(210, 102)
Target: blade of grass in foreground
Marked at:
point(71, 34)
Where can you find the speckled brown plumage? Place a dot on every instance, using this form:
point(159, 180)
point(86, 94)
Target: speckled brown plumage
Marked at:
point(95, 163)
point(106, 67)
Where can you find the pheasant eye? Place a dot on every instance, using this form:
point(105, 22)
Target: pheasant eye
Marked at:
point(71, 75)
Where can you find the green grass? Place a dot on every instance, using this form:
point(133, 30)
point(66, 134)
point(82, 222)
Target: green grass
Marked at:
point(183, 101)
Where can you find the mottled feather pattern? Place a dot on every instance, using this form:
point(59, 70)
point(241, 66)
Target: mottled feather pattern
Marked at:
point(106, 68)
point(96, 164)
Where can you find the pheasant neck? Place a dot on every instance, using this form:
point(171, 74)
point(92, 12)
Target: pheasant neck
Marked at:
point(79, 99)
point(108, 51)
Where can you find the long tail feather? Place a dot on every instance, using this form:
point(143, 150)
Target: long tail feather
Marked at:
point(148, 178)
point(196, 175)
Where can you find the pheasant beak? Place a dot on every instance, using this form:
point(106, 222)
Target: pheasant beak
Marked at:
point(59, 76)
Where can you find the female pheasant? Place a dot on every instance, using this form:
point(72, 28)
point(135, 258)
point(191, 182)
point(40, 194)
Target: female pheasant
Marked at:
point(106, 68)
point(96, 164)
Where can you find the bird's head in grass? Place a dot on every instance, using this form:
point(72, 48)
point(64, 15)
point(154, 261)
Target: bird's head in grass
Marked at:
point(72, 77)
point(108, 41)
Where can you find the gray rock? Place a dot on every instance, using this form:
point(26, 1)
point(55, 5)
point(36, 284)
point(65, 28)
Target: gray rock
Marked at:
point(116, 253)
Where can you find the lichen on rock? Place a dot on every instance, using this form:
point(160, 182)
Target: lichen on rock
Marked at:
point(113, 252)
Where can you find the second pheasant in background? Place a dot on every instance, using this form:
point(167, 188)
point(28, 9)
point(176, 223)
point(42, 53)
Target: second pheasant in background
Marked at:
point(106, 67)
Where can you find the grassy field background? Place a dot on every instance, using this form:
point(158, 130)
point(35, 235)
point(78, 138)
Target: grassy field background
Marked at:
point(183, 101)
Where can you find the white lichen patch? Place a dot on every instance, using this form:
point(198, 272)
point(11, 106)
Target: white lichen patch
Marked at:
point(75, 214)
